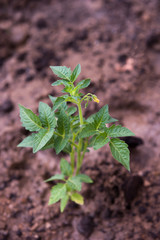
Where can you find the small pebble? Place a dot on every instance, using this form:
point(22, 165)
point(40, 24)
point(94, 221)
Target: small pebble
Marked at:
point(147, 183)
point(48, 225)
point(19, 34)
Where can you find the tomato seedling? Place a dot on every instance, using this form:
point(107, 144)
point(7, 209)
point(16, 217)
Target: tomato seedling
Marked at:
point(64, 128)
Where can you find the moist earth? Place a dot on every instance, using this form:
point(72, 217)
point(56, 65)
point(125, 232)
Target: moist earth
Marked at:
point(117, 44)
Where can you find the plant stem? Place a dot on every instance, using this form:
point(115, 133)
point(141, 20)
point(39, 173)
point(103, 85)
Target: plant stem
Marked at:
point(58, 134)
point(84, 151)
point(74, 144)
point(72, 154)
point(79, 161)
point(71, 141)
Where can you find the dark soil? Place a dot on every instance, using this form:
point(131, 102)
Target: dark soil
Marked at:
point(117, 44)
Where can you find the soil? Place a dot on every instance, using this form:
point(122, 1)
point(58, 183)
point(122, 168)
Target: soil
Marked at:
point(117, 44)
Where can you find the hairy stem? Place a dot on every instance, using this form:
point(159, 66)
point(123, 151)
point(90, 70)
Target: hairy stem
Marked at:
point(72, 154)
point(84, 151)
point(79, 161)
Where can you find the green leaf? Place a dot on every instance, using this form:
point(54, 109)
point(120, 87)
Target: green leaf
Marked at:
point(92, 140)
point(65, 167)
point(119, 131)
point(88, 130)
point(49, 144)
point(86, 105)
point(84, 178)
point(55, 177)
point(27, 142)
point(83, 84)
point(60, 143)
point(41, 138)
point(74, 183)
point(60, 82)
point(62, 71)
point(67, 89)
point(110, 119)
point(100, 140)
point(100, 118)
point(75, 120)
point(120, 152)
point(57, 193)
point(64, 202)
point(29, 120)
point(67, 148)
point(59, 101)
point(53, 99)
point(77, 198)
point(71, 110)
point(76, 73)
point(46, 116)
point(63, 129)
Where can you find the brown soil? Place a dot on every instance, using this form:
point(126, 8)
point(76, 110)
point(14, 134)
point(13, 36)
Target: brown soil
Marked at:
point(117, 44)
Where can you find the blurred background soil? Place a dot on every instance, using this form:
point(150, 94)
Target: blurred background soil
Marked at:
point(117, 44)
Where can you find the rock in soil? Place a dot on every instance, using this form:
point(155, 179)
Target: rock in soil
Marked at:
point(86, 226)
point(19, 34)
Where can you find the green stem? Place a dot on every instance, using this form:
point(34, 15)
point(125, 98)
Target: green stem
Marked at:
point(79, 161)
point(72, 154)
point(74, 144)
point(71, 141)
point(58, 134)
point(80, 113)
point(84, 151)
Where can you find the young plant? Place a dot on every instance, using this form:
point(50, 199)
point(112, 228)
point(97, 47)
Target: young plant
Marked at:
point(61, 128)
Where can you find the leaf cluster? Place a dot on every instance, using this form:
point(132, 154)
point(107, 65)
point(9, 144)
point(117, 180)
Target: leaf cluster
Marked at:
point(69, 187)
point(54, 127)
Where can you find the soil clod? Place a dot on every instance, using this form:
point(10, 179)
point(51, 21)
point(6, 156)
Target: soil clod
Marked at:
point(86, 226)
point(7, 106)
point(131, 188)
